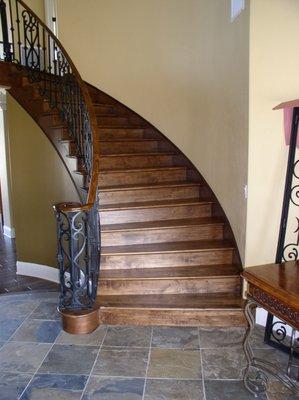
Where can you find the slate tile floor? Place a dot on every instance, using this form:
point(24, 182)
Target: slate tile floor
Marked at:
point(10, 282)
point(38, 361)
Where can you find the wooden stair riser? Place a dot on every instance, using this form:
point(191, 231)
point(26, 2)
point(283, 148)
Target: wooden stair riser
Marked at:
point(161, 235)
point(135, 161)
point(130, 177)
point(119, 147)
point(155, 214)
point(160, 260)
point(118, 121)
point(172, 317)
point(218, 285)
point(121, 134)
point(110, 109)
point(139, 195)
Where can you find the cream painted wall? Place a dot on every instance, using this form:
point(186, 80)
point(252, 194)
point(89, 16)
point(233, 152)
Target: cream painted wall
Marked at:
point(274, 30)
point(39, 180)
point(184, 67)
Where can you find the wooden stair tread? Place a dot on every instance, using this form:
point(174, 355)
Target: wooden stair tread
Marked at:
point(175, 223)
point(145, 140)
point(153, 204)
point(142, 169)
point(169, 247)
point(107, 126)
point(150, 186)
point(157, 153)
point(172, 301)
point(200, 271)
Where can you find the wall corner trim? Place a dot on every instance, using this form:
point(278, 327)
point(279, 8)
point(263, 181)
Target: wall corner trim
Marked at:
point(38, 271)
point(9, 232)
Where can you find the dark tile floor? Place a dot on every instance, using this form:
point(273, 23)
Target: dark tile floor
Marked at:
point(38, 361)
point(10, 282)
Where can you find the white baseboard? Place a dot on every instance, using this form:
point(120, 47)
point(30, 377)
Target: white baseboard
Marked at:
point(261, 319)
point(9, 232)
point(38, 271)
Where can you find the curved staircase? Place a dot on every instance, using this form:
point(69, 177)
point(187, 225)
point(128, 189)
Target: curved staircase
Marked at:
point(168, 255)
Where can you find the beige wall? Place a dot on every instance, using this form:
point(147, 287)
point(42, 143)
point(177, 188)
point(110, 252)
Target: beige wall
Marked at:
point(274, 78)
point(39, 180)
point(184, 67)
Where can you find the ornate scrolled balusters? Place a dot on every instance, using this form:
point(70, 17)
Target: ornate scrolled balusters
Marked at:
point(78, 255)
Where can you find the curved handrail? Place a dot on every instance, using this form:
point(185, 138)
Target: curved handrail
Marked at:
point(94, 182)
point(30, 44)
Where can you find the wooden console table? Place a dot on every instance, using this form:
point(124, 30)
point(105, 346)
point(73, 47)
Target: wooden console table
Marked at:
point(274, 287)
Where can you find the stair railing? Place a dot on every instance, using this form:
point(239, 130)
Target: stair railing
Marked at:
point(29, 44)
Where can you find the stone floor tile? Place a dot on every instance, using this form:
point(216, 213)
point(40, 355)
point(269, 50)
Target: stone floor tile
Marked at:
point(274, 356)
point(55, 387)
point(69, 359)
point(35, 330)
point(229, 390)
point(12, 385)
point(175, 363)
point(131, 336)
point(226, 363)
point(171, 389)
point(22, 357)
point(212, 338)
point(121, 361)
point(46, 310)
point(277, 391)
point(92, 339)
point(257, 338)
point(17, 309)
point(175, 337)
point(99, 388)
point(8, 327)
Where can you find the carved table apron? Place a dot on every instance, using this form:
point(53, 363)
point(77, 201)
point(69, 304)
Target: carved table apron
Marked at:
point(274, 287)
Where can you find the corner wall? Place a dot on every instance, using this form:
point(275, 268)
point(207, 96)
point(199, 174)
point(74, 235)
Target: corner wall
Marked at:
point(38, 180)
point(274, 59)
point(183, 66)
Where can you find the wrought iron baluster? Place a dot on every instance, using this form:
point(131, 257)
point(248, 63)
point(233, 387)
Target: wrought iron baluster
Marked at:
point(5, 36)
point(12, 29)
point(18, 32)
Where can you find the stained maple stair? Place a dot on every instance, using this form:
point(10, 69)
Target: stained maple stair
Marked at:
point(168, 255)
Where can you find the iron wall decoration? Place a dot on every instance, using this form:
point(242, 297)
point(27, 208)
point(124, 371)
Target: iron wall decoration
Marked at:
point(276, 332)
point(33, 48)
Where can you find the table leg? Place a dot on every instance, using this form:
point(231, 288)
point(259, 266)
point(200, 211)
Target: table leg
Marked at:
point(255, 380)
point(255, 374)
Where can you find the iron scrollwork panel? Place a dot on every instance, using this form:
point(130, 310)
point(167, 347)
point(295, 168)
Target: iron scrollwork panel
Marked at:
point(78, 256)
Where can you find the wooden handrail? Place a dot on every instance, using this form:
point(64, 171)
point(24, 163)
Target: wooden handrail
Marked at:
point(92, 190)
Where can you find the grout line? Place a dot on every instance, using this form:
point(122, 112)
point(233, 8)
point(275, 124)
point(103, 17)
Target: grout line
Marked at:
point(13, 334)
point(50, 348)
point(201, 363)
point(148, 362)
point(96, 359)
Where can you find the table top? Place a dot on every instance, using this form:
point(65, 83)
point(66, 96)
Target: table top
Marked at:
point(279, 280)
